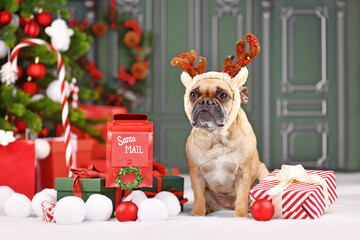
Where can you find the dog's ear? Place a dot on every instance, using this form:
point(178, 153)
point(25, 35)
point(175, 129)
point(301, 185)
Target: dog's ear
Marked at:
point(244, 93)
point(240, 78)
point(186, 79)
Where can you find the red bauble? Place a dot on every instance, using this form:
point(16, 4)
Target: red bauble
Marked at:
point(262, 210)
point(5, 18)
point(30, 88)
point(32, 29)
point(36, 70)
point(20, 72)
point(126, 211)
point(44, 132)
point(44, 19)
point(20, 125)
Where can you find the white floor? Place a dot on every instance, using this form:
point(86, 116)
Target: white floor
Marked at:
point(341, 221)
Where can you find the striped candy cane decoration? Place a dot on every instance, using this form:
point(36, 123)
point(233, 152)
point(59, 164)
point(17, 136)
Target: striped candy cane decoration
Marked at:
point(48, 211)
point(64, 100)
point(74, 89)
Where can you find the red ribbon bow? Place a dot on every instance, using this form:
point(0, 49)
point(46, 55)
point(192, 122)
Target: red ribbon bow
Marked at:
point(80, 173)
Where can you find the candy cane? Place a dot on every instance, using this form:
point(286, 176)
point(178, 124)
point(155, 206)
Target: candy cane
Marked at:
point(74, 89)
point(64, 100)
point(48, 211)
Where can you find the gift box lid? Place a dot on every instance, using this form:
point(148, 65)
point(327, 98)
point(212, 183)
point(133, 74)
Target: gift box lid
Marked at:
point(87, 184)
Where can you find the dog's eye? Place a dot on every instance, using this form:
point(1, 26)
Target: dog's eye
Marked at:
point(192, 95)
point(224, 96)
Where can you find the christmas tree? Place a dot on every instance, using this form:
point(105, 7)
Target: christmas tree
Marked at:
point(30, 95)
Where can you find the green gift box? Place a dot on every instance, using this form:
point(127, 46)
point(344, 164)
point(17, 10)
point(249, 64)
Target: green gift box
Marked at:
point(174, 184)
point(89, 186)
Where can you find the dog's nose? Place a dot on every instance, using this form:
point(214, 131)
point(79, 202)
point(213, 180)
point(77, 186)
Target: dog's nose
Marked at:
point(207, 101)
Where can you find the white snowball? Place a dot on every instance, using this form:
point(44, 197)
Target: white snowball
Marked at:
point(98, 208)
point(5, 192)
point(42, 148)
point(136, 197)
point(171, 201)
point(37, 201)
point(52, 192)
point(17, 206)
point(70, 210)
point(53, 91)
point(152, 210)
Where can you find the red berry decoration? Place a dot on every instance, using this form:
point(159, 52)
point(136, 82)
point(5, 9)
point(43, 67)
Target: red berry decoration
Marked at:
point(262, 210)
point(30, 88)
point(44, 19)
point(126, 211)
point(20, 72)
point(44, 132)
point(5, 18)
point(36, 70)
point(32, 29)
point(20, 125)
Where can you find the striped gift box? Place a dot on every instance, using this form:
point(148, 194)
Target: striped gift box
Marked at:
point(299, 200)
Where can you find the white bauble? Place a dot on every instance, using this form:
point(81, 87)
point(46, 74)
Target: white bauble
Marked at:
point(60, 34)
point(53, 91)
point(37, 201)
point(70, 210)
point(171, 201)
point(136, 197)
point(3, 49)
point(17, 206)
point(52, 192)
point(5, 192)
point(98, 208)
point(37, 97)
point(152, 210)
point(42, 148)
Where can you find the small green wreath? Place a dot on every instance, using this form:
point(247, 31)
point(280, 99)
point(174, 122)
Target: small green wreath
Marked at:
point(129, 185)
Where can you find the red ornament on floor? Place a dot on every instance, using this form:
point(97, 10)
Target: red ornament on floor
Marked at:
point(30, 88)
point(32, 29)
point(126, 211)
point(262, 210)
point(5, 18)
point(44, 19)
point(36, 70)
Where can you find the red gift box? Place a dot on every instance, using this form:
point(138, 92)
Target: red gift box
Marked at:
point(54, 165)
point(17, 164)
point(302, 196)
point(129, 144)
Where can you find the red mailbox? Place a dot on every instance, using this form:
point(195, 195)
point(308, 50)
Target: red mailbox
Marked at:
point(129, 144)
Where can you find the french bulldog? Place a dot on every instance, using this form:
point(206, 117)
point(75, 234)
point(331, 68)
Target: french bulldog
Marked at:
point(222, 148)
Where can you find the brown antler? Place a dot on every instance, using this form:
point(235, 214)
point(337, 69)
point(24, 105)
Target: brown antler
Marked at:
point(186, 61)
point(244, 58)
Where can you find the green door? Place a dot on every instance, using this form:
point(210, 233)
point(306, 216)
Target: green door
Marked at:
point(303, 85)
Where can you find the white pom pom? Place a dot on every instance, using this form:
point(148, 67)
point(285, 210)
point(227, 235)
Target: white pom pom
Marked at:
point(152, 210)
point(42, 148)
point(98, 208)
point(171, 201)
point(52, 192)
point(53, 90)
point(38, 199)
point(60, 34)
point(17, 206)
point(70, 210)
point(3, 49)
point(5, 192)
point(136, 197)
point(7, 74)
point(37, 97)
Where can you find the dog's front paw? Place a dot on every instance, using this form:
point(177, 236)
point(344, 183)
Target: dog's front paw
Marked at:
point(198, 212)
point(239, 213)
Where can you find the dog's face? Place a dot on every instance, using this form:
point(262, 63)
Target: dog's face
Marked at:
point(211, 101)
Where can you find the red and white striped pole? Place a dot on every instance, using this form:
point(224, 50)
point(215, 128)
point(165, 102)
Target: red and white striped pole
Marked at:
point(64, 99)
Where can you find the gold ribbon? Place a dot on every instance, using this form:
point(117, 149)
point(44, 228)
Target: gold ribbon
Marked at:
point(289, 174)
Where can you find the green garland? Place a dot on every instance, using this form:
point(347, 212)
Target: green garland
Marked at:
point(129, 186)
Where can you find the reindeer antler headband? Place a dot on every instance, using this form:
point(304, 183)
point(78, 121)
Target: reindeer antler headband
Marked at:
point(186, 60)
